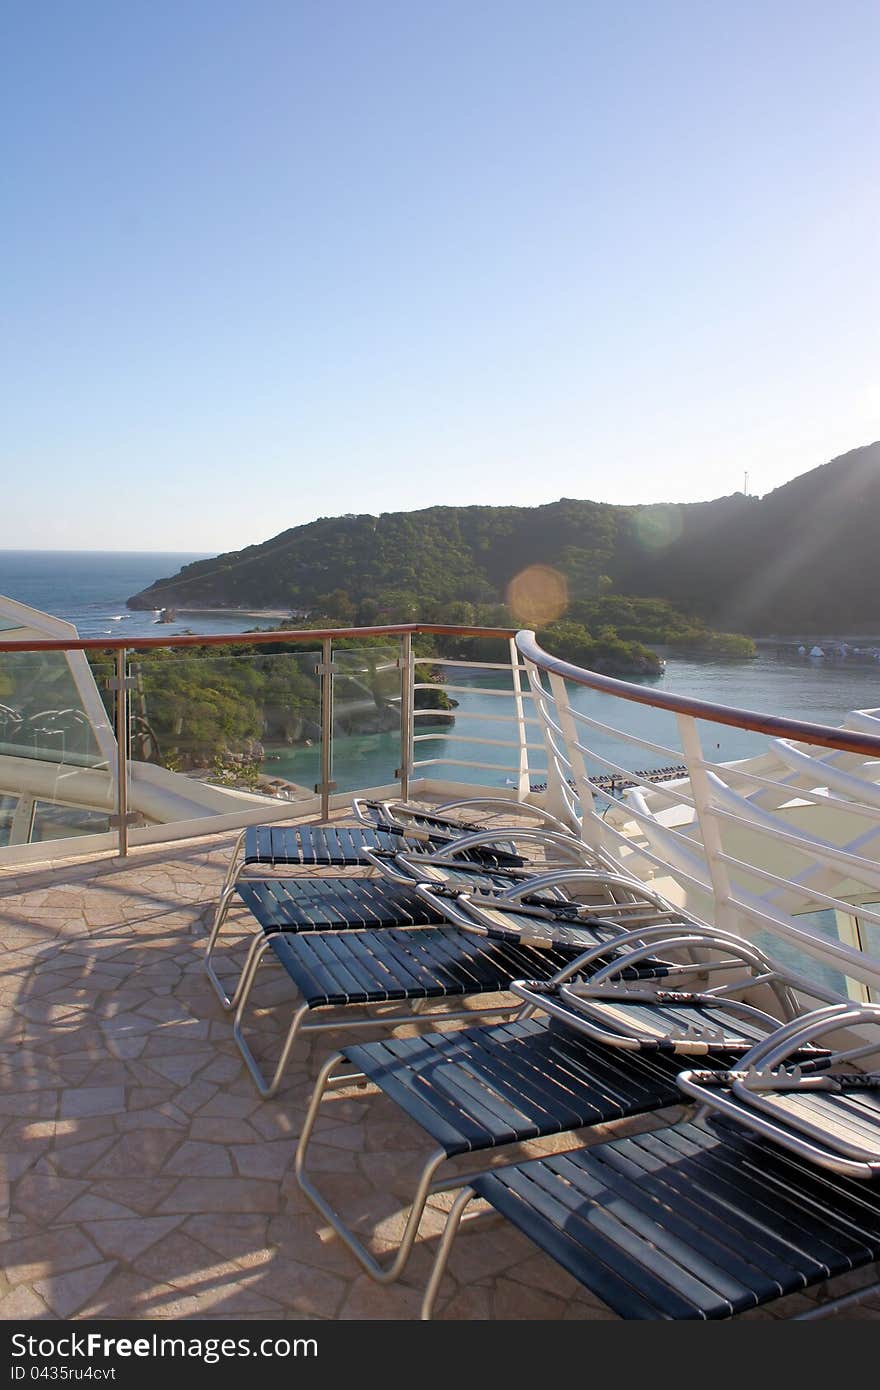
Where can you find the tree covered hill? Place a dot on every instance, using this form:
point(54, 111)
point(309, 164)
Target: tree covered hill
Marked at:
point(804, 558)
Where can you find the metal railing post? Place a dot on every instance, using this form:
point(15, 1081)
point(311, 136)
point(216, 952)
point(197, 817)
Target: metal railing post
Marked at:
point(407, 708)
point(578, 798)
point(713, 849)
point(325, 671)
point(121, 687)
point(523, 781)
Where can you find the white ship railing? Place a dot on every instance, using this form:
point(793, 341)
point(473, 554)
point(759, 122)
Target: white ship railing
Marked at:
point(781, 844)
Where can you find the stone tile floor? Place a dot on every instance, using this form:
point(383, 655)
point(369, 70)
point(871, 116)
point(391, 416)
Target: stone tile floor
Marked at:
point(142, 1175)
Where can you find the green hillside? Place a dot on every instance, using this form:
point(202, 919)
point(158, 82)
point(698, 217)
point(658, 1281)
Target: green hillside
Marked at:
point(804, 558)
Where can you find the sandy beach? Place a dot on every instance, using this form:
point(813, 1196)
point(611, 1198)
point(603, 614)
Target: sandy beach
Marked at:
point(277, 614)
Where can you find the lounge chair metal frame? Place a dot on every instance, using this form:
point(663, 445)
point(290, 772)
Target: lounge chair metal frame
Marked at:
point(838, 1127)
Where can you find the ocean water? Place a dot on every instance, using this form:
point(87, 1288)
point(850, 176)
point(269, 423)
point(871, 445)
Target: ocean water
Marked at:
point(771, 683)
point(89, 588)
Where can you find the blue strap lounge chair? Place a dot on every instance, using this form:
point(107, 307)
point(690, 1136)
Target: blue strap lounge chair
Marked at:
point(487, 1088)
point(696, 1221)
point(277, 849)
point(297, 903)
point(333, 971)
point(701, 1220)
point(479, 1091)
point(317, 904)
point(411, 966)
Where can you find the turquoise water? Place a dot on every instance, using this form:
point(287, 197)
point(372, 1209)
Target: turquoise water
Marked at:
point(817, 692)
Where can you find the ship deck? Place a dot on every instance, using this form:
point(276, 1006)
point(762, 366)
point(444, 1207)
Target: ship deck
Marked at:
point(146, 1179)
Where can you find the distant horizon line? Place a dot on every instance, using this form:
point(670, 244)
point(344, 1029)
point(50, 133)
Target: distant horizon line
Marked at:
point(58, 550)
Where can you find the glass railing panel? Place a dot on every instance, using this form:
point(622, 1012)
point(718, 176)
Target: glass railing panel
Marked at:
point(824, 923)
point(49, 709)
point(869, 933)
point(366, 717)
point(248, 723)
point(57, 749)
point(57, 821)
point(869, 940)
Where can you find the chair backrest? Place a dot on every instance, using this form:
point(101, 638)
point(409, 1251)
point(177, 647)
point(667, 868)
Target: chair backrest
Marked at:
point(654, 992)
point(464, 875)
point(503, 842)
point(809, 1100)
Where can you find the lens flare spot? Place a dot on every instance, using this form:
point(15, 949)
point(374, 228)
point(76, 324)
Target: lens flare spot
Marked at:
point(537, 595)
point(658, 527)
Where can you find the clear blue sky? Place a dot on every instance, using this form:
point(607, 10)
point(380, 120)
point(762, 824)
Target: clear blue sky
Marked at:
point(276, 259)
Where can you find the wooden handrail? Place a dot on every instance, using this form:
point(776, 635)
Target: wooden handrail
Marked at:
point(316, 634)
point(823, 735)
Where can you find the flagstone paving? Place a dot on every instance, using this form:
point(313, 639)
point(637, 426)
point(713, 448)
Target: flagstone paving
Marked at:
point(142, 1175)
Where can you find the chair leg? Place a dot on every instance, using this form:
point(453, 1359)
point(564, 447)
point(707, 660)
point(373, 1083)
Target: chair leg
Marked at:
point(230, 1002)
point(383, 1274)
point(453, 1221)
point(242, 994)
point(230, 877)
point(837, 1305)
point(302, 1024)
point(270, 1087)
point(226, 895)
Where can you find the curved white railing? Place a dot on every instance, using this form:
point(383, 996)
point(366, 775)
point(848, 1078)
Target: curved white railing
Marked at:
point(785, 843)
